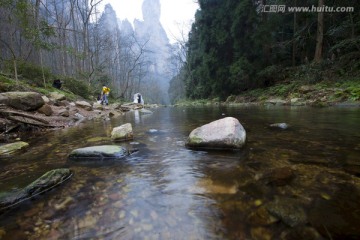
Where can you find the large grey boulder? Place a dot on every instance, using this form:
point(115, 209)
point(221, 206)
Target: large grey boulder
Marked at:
point(226, 133)
point(98, 153)
point(12, 148)
point(26, 101)
point(122, 133)
point(46, 182)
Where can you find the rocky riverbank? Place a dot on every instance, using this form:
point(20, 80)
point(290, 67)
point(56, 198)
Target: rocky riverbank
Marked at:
point(293, 94)
point(24, 112)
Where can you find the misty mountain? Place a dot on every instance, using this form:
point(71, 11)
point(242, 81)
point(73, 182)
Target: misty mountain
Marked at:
point(151, 31)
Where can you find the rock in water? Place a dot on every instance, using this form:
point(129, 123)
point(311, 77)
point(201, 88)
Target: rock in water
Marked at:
point(226, 133)
point(46, 182)
point(280, 125)
point(98, 153)
point(122, 133)
point(337, 217)
point(11, 148)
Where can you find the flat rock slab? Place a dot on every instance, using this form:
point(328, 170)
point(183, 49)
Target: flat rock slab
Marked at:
point(98, 153)
point(12, 148)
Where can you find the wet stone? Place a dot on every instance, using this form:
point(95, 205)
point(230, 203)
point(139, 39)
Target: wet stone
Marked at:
point(288, 210)
point(46, 182)
point(301, 233)
point(261, 217)
point(261, 233)
point(12, 148)
point(280, 125)
point(279, 176)
point(337, 216)
point(98, 153)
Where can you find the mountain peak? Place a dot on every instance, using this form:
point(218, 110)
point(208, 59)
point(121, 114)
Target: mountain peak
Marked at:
point(151, 10)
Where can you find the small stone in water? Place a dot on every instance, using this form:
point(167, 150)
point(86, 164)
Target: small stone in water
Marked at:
point(122, 214)
point(2, 233)
point(147, 227)
point(325, 196)
point(154, 215)
point(135, 213)
point(258, 202)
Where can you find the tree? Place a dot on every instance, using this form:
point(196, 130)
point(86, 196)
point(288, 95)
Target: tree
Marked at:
point(320, 33)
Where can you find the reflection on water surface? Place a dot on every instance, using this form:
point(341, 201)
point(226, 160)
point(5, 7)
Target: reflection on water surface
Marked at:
point(166, 191)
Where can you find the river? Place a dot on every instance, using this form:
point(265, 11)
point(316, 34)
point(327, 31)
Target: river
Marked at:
point(165, 191)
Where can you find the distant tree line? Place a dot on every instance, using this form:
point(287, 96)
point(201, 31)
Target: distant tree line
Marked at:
point(236, 45)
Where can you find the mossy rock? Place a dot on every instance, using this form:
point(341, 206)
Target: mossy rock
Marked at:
point(46, 182)
point(98, 153)
point(12, 148)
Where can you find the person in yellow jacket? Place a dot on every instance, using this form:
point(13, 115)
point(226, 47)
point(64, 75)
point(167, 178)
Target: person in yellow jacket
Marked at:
point(105, 95)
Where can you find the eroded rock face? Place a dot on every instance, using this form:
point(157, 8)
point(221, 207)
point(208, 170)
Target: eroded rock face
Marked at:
point(122, 133)
point(226, 133)
point(98, 153)
point(46, 182)
point(26, 101)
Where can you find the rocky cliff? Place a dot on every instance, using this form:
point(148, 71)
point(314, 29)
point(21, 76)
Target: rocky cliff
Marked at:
point(151, 31)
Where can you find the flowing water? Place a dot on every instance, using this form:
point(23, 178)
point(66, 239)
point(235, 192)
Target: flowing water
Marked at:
point(165, 191)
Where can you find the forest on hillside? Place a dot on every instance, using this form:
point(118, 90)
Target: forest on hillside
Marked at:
point(75, 41)
point(237, 45)
point(233, 46)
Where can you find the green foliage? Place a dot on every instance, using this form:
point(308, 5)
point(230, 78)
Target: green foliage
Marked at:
point(235, 47)
point(283, 90)
point(77, 87)
point(32, 73)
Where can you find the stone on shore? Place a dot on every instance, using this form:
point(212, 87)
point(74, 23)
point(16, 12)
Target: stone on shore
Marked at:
point(98, 153)
point(226, 133)
point(12, 148)
point(83, 104)
point(55, 96)
point(122, 133)
point(46, 109)
point(26, 101)
point(276, 101)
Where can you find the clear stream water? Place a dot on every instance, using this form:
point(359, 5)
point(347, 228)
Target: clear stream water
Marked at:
point(165, 191)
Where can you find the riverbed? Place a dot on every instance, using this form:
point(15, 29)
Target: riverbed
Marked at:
point(166, 191)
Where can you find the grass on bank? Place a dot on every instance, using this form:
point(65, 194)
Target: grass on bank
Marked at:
point(341, 91)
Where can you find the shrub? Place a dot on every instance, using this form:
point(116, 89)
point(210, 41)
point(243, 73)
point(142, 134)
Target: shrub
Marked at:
point(77, 87)
point(33, 73)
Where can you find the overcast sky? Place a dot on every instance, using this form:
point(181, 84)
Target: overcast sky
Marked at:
point(176, 15)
